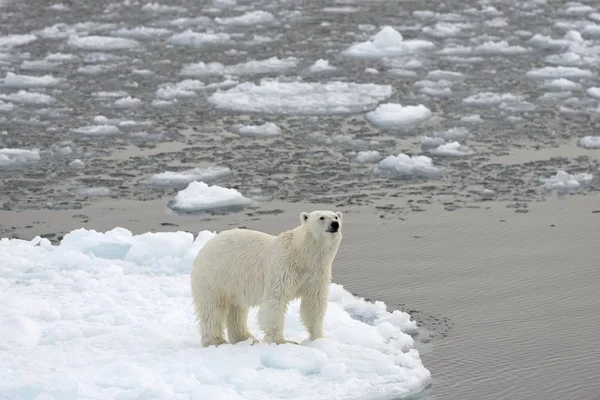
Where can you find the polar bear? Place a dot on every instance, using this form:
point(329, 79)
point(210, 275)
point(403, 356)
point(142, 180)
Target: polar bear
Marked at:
point(239, 268)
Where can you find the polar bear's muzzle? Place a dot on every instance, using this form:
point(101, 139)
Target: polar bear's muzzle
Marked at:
point(333, 228)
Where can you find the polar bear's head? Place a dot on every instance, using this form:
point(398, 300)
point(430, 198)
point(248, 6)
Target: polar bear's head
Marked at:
point(326, 223)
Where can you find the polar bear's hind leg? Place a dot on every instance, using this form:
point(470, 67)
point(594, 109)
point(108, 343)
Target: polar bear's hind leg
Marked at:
point(211, 319)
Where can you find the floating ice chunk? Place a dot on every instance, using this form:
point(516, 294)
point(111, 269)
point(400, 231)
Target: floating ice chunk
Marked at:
point(446, 29)
point(266, 129)
point(13, 80)
point(59, 7)
point(387, 43)
point(162, 8)
point(402, 166)
point(429, 142)
point(452, 149)
point(547, 42)
point(369, 156)
point(471, 118)
point(591, 30)
point(339, 139)
point(133, 124)
point(496, 23)
point(594, 92)
point(101, 43)
point(455, 50)
point(445, 75)
point(499, 48)
point(157, 103)
point(77, 164)
point(578, 9)
point(198, 196)
point(39, 65)
point(25, 97)
point(6, 107)
point(196, 39)
point(252, 67)
point(141, 32)
point(11, 41)
point(458, 133)
point(370, 70)
point(321, 65)
point(185, 177)
point(392, 115)
point(100, 191)
point(590, 142)
point(485, 99)
point(184, 89)
point(102, 120)
point(98, 130)
point(559, 72)
point(60, 57)
point(127, 102)
point(561, 84)
point(565, 182)
point(250, 18)
point(17, 156)
point(300, 98)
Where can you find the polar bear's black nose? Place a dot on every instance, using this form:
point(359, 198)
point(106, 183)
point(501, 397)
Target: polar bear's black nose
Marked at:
point(335, 225)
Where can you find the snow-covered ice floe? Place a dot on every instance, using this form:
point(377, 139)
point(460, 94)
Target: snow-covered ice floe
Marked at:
point(13, 80)
point(452, 149)
point(109, 315)
point(405, 166)
point(387, 43)
point(101, 43)
point(565, 182)
point(392, 115)
point(185, 177)
point(251, 67)
point(17, 156)
point(199, 196)
point(301, 98)
point(265, 130)
point(590, 142)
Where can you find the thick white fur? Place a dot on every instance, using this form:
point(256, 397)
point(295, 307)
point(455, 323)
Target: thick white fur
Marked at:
point(240, 268)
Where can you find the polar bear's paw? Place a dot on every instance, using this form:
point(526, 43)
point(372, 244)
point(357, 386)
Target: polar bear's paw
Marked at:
point(270, 339)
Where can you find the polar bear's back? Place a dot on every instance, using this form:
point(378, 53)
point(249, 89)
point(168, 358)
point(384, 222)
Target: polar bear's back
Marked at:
point(231, 259)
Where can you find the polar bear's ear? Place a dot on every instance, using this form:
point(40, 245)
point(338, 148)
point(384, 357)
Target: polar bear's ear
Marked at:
point(339, 214)
point(303, 217)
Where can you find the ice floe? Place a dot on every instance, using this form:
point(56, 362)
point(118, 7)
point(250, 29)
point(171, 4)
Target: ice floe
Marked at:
point(199, 196)
point(177, 179)
point(393, 115)
point(387, 43)
point(405, 166)
point(565, 182)
point(10, 157)
point(590, 142)
point(265, 130)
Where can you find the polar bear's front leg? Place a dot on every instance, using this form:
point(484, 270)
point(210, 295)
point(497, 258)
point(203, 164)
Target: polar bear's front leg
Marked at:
point(312, 311)
point(271, 318)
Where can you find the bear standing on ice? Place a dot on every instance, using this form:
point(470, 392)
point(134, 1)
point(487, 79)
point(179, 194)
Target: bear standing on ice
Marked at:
point(240, 268)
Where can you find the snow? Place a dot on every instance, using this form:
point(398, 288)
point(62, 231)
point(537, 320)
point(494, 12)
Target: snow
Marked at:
point(250, 18)
point(196, 39)
point(369, 156)
point(301, 98)
point(559, 72)
point(198, 196)
point(387, 43)
point(98, 130)
point(393, 115)
point(251, 67)
point(404, 166)
point(185, 177)
point(266, 129)
point(590, 142)
point(452, 149)
point(103, 43)
point(564, 182)
point(25, 97)
point(13, 80)
point(9, 157)
point(109, 315)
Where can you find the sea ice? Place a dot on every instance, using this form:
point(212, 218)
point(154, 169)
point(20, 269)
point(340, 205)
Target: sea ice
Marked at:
point(457, 133)
point(13, 80)
point(565, 182)
point(265, 130)
point(447, 29)
point(127, 102)
point(198, 196)
point(559, 72)
point(405, 166)
point(252, 67)
point(6, 107)
point(485, 99)
point(321, 65)
point(17, 156)
point(387, 43)
point(162, 8)
point(368, 156)
point(561, 84)
point(25, 97)
point(594, 92)
point(100, 191)
point(590, 142)
point(103, 43)
point(301, 98)
point(11, 41)
point(196, 39)
point(498, 48)
point(109, 315)
point(141, 32)
point(452, 149)
point(392, 115)
point(77, 164)
point(250, 18)
point(98, 130)
point(177, 179)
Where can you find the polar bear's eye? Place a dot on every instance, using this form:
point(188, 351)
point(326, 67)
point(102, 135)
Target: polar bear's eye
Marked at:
point(322, 218)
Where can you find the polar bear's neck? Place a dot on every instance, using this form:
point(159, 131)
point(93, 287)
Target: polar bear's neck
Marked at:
point(316, 250)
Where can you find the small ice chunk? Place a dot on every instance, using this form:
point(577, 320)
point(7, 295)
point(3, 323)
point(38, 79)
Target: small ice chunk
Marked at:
point(590, 142)
point(77, 164)
point(185, 177)
point(17, 156)
point(6, 107)
point(127, 102)
point(370, 70)
point(561, 84)
point(251, 18)
point(11, 41)
point(13, 80)
point(199, 196)
point(402, 166)
point(499, 48)
point(446, 29)
point(251, 67)
point(453, 149)
point(98, 130)
point(594, 92)
point(489, 99)
point(100, 191)
point(301, 98)
point(196, 39)
point(25, 97)
point(141, 32)
point(565, 182)
point(183, 89)
point(162, 8)
point(429, 142)
point(103, 43)
point(266, 129)
point(369, 156)
point(321, 65)
point(387, 43)
point(452, 76)
point(559, 72)
point(393, 115)
point(471, 118)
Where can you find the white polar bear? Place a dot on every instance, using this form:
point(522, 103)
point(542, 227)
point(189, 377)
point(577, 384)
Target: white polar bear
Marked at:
point(240, 268)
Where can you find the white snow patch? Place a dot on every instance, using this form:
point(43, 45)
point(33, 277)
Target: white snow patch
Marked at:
point(17, 156)
point(13, 80)
point(101, 43)
point(300, 98)
point(393, 115)
point(265, 130)
point(250, 18)
point(198, 196)
point(564, 182)
point(369, 156)
point(185, 177)
point(387, 43)
point(25, 97)
point(119, 306)
point(98, 130)
point(590, 142)
point(196, 39)
point(403, 166)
